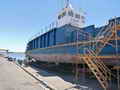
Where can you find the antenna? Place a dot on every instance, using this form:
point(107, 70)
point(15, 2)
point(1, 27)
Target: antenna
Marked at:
point(67, 3)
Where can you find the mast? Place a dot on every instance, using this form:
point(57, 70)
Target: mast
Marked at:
point(67, 3)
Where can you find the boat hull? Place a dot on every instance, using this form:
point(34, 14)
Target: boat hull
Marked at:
point(67, 58)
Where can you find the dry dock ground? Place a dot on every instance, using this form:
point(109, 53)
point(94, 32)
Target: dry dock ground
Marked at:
point(12, 77)
point(15, 77)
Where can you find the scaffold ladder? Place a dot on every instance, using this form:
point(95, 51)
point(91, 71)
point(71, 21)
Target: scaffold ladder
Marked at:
point(99, 69)
point(93, 64)
point(100, 64)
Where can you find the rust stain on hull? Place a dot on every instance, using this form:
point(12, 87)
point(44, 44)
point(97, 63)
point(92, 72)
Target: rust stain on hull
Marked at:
point(67, 58)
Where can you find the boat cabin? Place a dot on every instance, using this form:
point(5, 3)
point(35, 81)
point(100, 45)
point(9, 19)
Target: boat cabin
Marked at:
point(69, 16)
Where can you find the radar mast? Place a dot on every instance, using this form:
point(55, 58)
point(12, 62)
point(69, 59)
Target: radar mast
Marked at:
point(67, 3)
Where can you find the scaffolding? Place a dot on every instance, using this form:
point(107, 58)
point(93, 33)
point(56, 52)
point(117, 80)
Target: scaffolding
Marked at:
point(97, 66)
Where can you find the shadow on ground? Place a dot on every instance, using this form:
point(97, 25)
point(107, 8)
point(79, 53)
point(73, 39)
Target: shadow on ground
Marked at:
point(66, 73)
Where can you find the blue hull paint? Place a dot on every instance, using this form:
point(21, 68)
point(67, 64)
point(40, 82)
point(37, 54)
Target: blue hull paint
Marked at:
point(40, 46)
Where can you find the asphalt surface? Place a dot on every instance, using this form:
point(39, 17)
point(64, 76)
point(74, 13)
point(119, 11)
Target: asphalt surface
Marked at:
point(12, 77)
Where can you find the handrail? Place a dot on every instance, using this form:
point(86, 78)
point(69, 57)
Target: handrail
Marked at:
point(44, 30)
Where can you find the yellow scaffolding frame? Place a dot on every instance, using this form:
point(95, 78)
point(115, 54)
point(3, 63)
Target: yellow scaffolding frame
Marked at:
point(95, 65)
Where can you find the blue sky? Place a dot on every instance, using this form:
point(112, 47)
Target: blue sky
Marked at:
point(21, 19)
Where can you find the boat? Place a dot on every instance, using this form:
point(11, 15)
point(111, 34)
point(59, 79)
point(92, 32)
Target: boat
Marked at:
point(66, 42)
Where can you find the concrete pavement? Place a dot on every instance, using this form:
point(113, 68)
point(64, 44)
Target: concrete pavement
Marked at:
point(52, 80)
point(12, 77)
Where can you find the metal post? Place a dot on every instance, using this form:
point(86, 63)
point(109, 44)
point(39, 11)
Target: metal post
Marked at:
point(77, 51)
point(76, 74)
point(83, 71)
point(118, 77)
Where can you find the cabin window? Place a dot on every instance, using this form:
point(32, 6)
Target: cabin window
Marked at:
point(77, 16)
point(83, 21)
point(62, 15)
point(70, 13)
point(82, 17)
point(59, 17)
point(118, 22)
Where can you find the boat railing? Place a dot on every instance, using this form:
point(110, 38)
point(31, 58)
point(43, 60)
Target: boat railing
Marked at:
point(44, 30)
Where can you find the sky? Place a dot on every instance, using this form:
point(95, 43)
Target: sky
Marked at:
point(21, 19)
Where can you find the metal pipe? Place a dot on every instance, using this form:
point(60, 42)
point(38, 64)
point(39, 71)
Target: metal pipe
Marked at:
point(118, 77)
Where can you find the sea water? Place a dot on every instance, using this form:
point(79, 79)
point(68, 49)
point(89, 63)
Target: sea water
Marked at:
point(17, 56)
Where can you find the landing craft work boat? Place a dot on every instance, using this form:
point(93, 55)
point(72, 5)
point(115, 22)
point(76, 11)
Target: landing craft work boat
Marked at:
point(66, 42)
